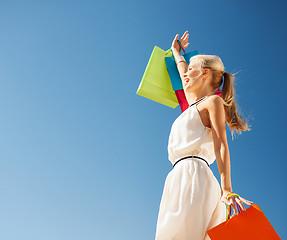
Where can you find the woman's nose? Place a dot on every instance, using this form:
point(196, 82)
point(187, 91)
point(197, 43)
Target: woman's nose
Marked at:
point(185, 75)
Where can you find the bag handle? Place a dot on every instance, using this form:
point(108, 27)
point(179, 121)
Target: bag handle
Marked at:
point(228, 208)
point(170, 50)
point(181, 47)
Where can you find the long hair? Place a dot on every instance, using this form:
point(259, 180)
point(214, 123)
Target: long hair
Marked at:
point(235, 121)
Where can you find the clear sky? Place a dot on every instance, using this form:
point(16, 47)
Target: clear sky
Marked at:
point(81, 155)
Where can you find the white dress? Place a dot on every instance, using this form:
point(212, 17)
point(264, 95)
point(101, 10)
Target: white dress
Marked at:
point(190, 203)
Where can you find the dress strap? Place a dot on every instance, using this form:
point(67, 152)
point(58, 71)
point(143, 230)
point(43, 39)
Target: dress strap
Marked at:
point(198, 101)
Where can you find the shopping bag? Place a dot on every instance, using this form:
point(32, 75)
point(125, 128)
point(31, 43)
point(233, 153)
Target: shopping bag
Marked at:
point(173, 72)
point(176, 80)
point(181, 99)
point(248, 225)
point(155, 83)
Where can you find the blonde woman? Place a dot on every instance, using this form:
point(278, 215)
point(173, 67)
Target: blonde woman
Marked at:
point(192, 200)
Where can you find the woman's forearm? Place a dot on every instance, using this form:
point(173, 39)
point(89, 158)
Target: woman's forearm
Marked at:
point(223, 163)
point(181, 66)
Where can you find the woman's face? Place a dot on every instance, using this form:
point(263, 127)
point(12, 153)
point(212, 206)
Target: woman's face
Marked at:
point(192, 76)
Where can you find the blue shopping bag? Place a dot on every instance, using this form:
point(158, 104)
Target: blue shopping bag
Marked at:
point(173, 72)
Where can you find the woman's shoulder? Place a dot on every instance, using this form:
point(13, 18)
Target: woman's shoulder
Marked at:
point(214, 102)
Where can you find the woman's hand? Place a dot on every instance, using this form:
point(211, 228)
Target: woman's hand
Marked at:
point(234, 199)
point(184, 42)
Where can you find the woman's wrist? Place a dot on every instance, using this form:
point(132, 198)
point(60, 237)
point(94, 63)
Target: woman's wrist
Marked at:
point(227, 190)
point(179, 59)
point(175, 52)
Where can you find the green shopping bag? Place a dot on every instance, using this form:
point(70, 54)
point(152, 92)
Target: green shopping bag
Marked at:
point(156, 84)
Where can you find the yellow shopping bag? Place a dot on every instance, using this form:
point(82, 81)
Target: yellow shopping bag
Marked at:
point(156, 84)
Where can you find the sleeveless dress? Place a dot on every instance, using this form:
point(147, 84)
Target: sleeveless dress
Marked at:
point(190, 204)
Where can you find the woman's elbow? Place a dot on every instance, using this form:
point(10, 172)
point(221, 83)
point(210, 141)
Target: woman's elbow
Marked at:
point(220, 148)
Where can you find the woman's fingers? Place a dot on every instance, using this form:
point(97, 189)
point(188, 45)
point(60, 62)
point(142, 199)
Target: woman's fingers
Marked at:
point(184, 35)
point(234, 200)
point(185, 42)
point(186, 45)
point(245, 201)
point(174, 42)
point(234, 209)
point(176, 37)
point(233, 206)
point(185, 39)
point(240, 203)
point(223, 199)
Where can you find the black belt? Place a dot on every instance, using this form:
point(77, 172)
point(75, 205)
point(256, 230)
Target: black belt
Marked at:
point(190, 157)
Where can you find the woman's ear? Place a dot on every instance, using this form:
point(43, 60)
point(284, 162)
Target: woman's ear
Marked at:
point(206, 72)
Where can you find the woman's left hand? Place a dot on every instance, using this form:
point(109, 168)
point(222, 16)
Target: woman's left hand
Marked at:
point(184, 42)
point(234, 199)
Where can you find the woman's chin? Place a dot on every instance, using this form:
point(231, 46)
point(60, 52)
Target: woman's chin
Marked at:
point(187, 87)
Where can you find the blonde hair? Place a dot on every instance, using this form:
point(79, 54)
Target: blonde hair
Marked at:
point(235, 121)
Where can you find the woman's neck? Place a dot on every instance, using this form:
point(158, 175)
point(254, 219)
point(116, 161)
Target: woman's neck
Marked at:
point(192, 97)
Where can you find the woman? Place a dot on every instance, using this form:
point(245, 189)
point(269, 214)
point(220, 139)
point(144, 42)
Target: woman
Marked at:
point(192, 200)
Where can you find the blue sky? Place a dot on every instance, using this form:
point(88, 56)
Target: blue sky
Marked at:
point(81, 155)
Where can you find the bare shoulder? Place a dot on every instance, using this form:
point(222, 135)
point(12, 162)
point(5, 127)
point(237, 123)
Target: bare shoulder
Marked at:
point(211, 108)
point(214, 102)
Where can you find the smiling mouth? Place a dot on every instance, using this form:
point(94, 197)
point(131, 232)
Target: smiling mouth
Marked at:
point(186, 80)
